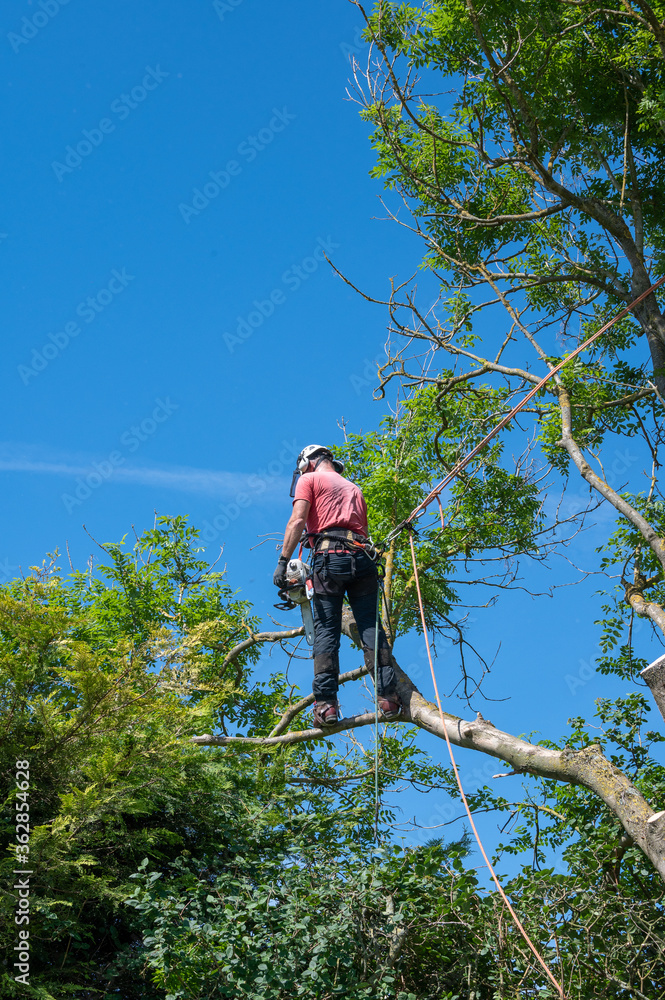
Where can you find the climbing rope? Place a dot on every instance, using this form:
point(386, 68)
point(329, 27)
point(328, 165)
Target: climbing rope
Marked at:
point(434, 494)
point(518, 923)
point(376, 712)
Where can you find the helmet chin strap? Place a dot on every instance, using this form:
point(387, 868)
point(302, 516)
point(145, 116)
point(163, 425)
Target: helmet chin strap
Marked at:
point(297, 473)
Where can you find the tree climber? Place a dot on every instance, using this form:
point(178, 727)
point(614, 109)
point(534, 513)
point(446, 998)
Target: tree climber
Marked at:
point(334, 512)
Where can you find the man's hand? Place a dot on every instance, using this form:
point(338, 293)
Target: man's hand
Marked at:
point(279, 576)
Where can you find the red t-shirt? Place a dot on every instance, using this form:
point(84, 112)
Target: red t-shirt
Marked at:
point(334, 500)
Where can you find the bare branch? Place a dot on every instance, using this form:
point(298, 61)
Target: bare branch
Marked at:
point(254, 639)
point(648, 533)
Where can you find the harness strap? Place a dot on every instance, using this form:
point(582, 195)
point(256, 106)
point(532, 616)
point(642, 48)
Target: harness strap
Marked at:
point(344, 539)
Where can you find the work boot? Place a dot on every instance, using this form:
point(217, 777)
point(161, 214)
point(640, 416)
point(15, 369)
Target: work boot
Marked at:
point(390, 706)
point(325, 713)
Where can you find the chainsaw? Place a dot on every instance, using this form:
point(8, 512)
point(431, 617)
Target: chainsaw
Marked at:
point(298, 589)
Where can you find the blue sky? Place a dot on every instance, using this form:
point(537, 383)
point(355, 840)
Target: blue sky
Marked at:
point(173, 174)
point(122, 302)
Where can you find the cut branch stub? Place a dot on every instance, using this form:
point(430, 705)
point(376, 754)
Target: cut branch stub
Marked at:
point(656, 831)
point(654, 675)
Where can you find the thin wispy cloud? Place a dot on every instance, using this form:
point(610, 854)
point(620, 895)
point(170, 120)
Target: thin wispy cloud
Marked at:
point(180, 478)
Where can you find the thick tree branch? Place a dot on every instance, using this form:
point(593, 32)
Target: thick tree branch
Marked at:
point(494, 221)
point(300, 706)
point(647, 609)
point(287, 739)
point(587, 767)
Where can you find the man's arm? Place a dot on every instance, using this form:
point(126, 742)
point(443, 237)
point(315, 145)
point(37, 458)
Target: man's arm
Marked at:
point(295, 526)
point(292, 535)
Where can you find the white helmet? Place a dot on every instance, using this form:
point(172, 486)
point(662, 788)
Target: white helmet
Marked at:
point(310, 452)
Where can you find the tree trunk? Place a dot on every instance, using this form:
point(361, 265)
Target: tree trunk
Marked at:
point(587, 767)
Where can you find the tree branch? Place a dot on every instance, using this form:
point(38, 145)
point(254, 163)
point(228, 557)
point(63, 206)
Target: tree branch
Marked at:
point(648, 533)
point(647, 609)
point(254, 639)
point(299, 706)
point(501, 220)
point(587, 767)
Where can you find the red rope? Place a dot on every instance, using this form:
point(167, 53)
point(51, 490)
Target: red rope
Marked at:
point(461, 790)
point(438, 500)
point(462, 464)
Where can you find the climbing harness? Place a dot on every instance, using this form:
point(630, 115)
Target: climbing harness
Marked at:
point(340, 540)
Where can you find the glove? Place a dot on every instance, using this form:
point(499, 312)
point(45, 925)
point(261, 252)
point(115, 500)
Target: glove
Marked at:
point(279, 576)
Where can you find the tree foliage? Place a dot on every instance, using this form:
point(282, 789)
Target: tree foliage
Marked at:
point(541, 177)
point(526, 144)
point(164, 870)
point(104, 678)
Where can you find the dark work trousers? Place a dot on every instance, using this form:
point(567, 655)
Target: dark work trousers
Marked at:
point(334, 573)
